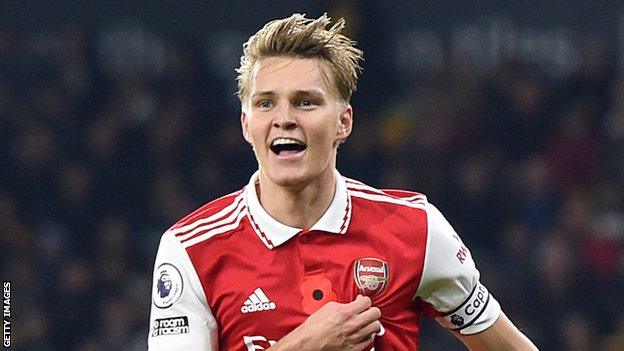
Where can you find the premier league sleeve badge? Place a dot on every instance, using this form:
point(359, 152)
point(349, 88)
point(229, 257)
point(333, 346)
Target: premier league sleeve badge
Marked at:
point(168, 285)
point(371, 276)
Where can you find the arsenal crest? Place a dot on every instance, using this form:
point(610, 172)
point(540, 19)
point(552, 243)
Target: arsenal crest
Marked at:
point(371, 275)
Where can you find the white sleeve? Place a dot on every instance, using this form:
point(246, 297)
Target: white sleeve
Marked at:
point(450, 280)
point(180, 318)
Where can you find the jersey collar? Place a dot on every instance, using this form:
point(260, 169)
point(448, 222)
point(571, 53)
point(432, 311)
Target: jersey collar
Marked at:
point(273, 233)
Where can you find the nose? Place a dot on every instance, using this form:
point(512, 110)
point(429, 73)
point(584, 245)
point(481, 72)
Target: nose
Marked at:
point(285, 118)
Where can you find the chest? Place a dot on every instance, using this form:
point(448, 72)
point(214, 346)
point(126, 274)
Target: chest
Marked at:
point(259, 295)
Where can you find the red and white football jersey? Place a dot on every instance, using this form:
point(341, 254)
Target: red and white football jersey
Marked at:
point(230, 277)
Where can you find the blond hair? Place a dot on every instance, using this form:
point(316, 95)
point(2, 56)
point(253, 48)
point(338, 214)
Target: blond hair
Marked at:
point(302, 37)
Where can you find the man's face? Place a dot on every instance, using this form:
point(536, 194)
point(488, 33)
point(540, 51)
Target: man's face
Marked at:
point(294, 118)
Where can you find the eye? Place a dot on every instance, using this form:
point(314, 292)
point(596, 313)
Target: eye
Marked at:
point(306, 103)
point(264, 104)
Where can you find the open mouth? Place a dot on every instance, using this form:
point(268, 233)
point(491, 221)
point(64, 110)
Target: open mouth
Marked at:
point(287, 146)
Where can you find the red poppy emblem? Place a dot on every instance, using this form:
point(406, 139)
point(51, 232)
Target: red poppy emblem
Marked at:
point(371, 276)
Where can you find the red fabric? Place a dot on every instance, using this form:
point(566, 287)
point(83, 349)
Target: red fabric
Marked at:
point(232, 265)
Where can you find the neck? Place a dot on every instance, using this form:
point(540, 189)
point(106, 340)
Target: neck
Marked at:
point(297, 206)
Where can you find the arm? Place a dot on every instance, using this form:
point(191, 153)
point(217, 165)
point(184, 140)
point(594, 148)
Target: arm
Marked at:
point(450, 285)
point(502, 335)
point(180, 318)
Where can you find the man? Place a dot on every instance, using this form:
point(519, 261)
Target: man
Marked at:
point(303, 258)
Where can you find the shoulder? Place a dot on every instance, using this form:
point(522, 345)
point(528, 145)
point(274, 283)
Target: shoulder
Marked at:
point(215, 217)
point(387, 197)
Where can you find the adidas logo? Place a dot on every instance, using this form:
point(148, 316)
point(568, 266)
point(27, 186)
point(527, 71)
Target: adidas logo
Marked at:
point(258, 301)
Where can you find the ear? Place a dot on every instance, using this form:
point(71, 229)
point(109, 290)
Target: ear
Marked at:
point(245, 126)
point(345, 123)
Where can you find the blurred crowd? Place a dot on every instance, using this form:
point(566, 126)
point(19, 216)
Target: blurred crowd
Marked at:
point(99, 156)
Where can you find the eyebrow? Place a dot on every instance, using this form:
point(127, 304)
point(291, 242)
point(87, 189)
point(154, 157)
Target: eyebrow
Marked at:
point(263, 93)
point(297, 93)
point(309, 93)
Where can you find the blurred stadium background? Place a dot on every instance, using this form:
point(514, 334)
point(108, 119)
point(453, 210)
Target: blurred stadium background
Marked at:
point(118, 117)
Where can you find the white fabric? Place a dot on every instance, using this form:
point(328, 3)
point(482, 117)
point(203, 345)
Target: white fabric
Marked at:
point(202, 326)
point(451, 285)
point(332, 221)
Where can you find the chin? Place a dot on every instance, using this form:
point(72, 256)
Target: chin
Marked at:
point(290, 180)
point(289, 177)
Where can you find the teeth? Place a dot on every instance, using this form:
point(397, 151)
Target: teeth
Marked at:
point(282, 141)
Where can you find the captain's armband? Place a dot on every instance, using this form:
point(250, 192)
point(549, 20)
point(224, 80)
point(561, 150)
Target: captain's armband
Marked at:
point(468, 312)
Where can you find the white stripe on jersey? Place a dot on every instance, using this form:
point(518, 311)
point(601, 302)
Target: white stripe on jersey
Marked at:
point(421, 199)
point(386, 198)
point(216, 224)
point(355, 185)
point(216, 231)
point(226, 210)
point(351, 184)
point(352, 181)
